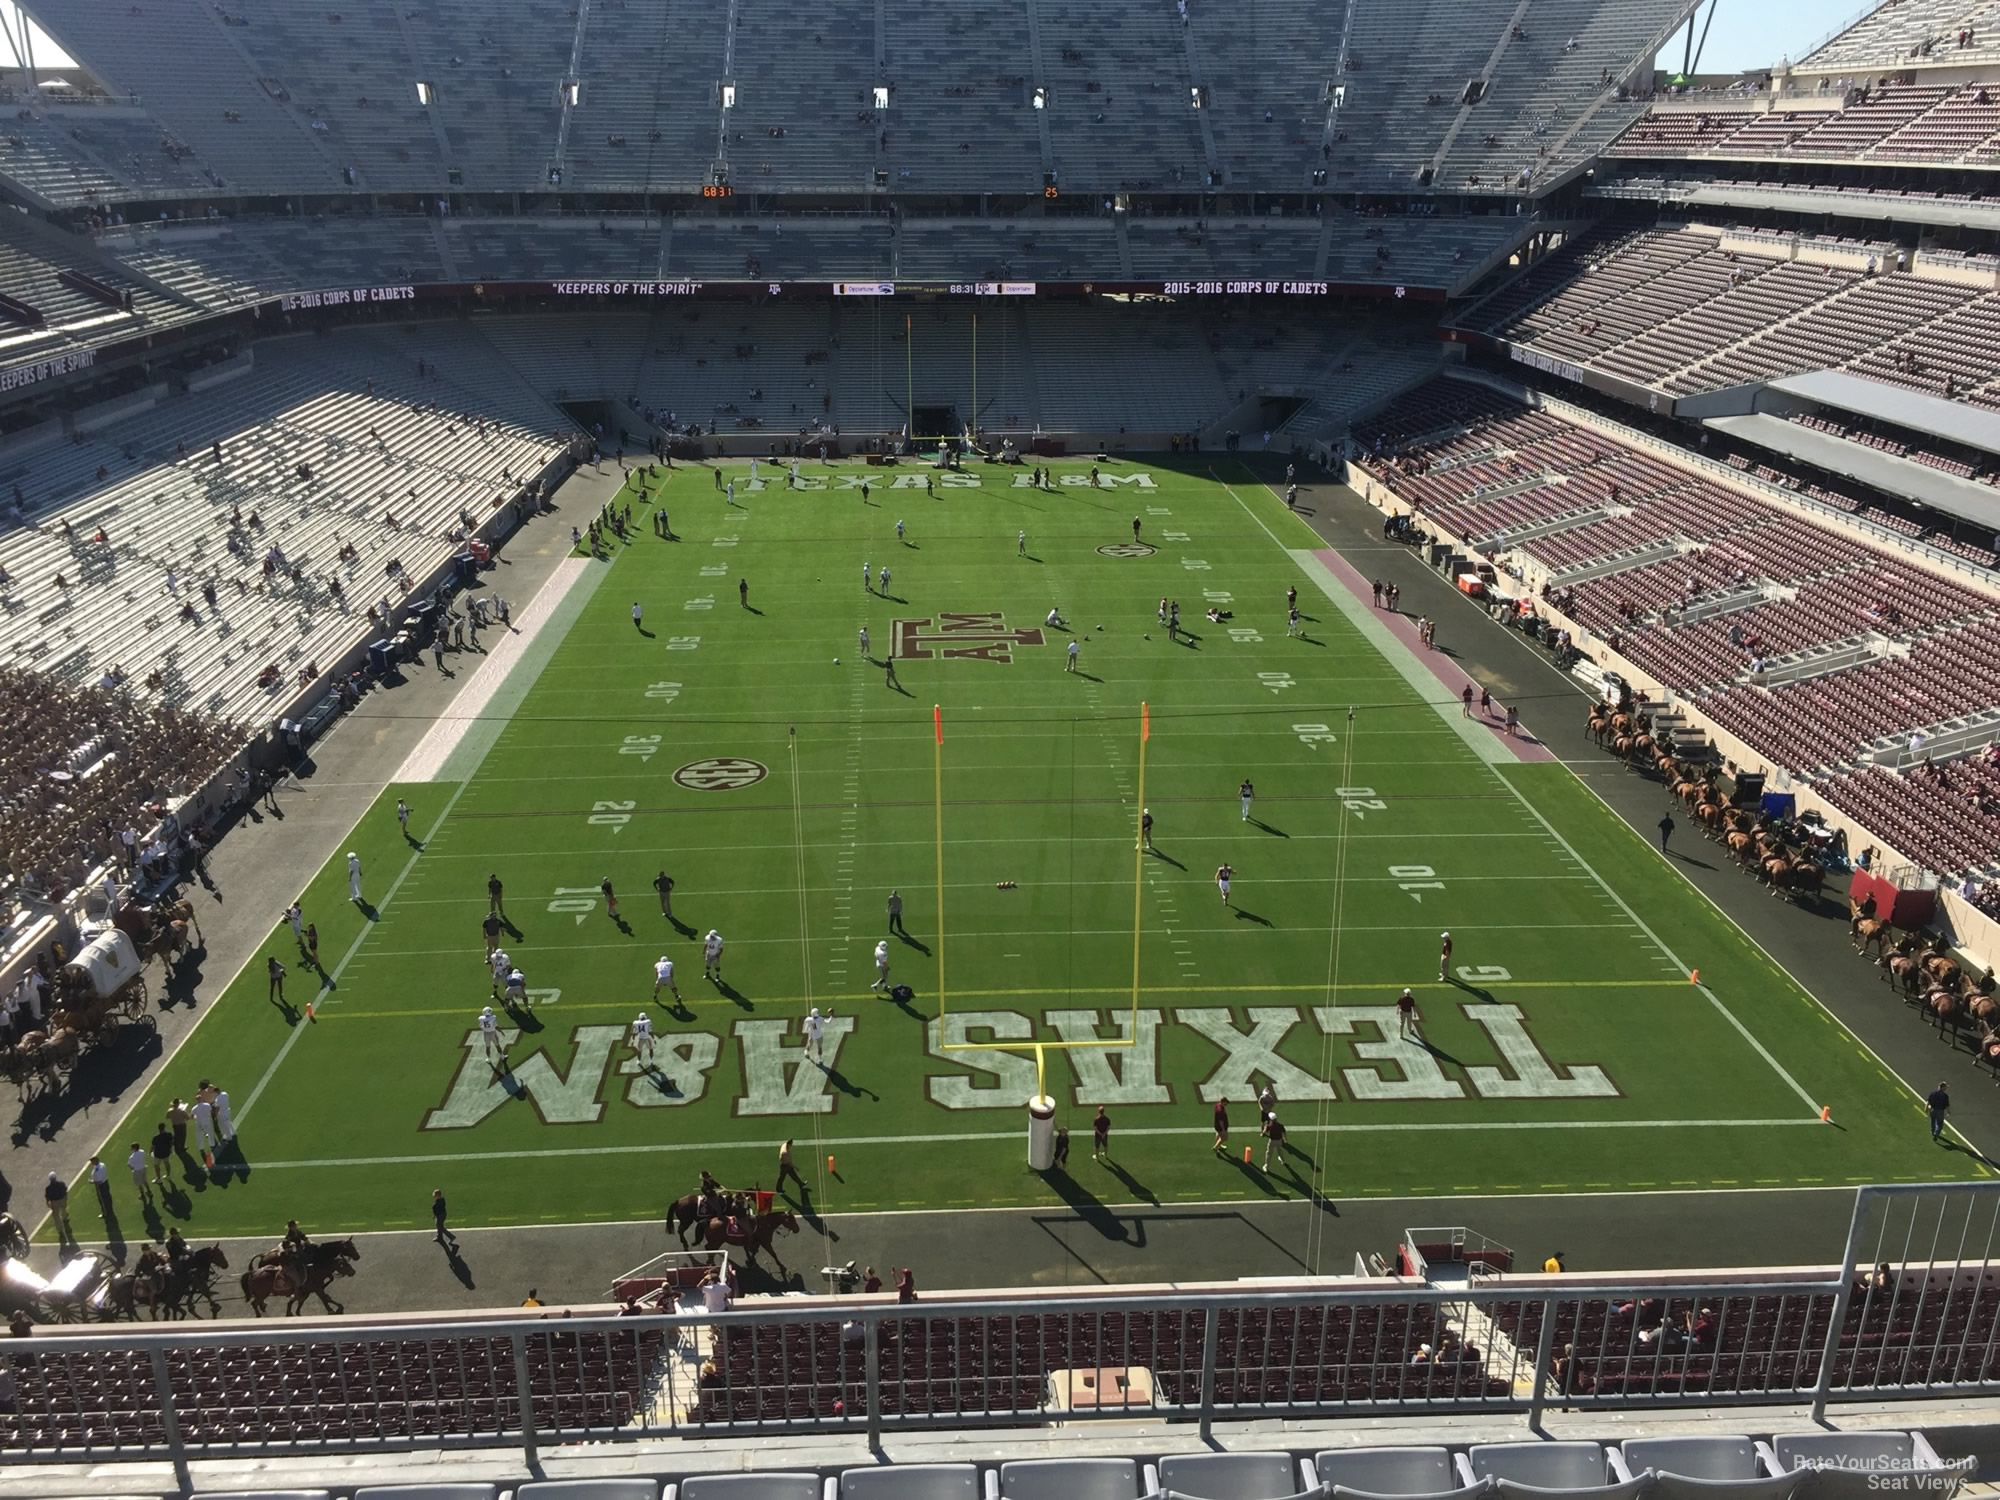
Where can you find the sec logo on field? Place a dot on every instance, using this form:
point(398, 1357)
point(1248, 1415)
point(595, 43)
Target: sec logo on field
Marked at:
point(1127, 549)
point(723, 773)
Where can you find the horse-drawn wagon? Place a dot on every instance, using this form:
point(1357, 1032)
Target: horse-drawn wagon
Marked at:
point(105, 983)
point(103, 987)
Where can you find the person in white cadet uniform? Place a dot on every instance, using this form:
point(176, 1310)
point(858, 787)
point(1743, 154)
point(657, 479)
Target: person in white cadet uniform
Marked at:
point(815, 1030)
point(711, 956)
point(204, 1130)
point(881, 966)
point(489, 1033)
point(642, 1037)
point(663, 977)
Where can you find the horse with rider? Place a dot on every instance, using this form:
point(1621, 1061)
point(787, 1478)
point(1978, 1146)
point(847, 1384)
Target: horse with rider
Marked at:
point(721, 1216)
point(169, 1278)
point(296, 1268)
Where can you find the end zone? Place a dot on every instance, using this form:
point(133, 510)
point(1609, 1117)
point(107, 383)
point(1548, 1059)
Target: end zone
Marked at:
point(452, 747)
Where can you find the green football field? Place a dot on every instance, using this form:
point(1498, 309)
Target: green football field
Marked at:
point(787, 787)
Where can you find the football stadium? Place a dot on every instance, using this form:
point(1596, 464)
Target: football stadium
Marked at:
point(1390, 886)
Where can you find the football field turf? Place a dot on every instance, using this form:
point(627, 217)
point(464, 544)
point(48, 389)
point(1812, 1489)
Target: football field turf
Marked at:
point(787, 792)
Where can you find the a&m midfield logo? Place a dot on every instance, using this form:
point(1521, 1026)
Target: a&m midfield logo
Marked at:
point(978, 637)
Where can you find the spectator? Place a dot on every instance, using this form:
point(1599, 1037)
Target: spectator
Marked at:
point(56, 1195)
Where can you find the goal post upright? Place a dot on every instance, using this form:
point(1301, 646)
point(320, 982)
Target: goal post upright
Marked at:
point(1139, 868)
point(937, 828)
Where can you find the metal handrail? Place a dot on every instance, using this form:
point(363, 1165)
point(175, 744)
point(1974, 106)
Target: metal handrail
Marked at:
point(498, 1383)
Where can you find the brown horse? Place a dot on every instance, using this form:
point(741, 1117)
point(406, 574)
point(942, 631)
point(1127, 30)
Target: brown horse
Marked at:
point(167, 941)
point(1869, 932)
point(1942, 970)
point(753, 1232)
point(313, 1254)
point(1900, 968)
point(183, 911)
point(42, 1058)
point(684, 1214)
point(263, 1282)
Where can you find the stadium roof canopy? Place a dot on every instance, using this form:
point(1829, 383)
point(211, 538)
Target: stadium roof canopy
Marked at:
point(1963, 498)
point(1954, 421)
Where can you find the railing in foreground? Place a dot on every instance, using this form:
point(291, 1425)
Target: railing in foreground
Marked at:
point(1924, 1325)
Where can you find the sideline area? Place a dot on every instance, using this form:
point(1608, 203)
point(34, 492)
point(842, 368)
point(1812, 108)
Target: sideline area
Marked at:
point(270, 852)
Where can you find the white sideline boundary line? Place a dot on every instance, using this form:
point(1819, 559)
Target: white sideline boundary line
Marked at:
point(1915, 1094)
point(1724, 1011)
point(427, 760)
point(1811, 1104)
point(651, 1148)
point(529, 635)
point(1873, 1056)
point(332, 981)
point(1139, 1206)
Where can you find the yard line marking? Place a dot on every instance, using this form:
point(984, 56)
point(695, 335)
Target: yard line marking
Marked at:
point(1389, 987)
point(1913, 1092)
point(1637, 921)
point(958, 1137)
point(799, 852)
point(1000, 932)
point(540, 852)
point(1493, 764)
point(1821, 1008)
point(1555, 834)
point(333, 978)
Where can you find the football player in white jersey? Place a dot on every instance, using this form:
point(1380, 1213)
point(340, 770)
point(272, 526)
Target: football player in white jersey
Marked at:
point(489, 1032)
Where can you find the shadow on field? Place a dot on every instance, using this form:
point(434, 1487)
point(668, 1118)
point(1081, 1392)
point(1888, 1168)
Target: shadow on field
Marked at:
point(1091, 1209)
point(853, 1090)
